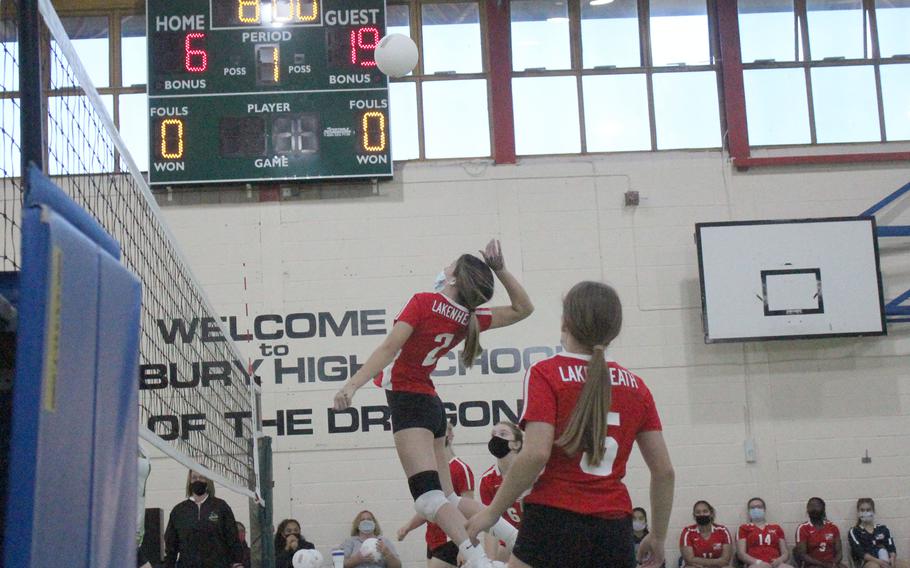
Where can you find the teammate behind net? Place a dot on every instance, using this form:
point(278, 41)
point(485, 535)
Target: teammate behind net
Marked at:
point(428, 327)
point(582, 415)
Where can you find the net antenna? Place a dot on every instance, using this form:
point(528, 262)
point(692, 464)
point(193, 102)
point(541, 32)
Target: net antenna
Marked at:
point(212, 425)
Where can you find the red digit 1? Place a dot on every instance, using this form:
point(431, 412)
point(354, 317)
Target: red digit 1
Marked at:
point(196, 60)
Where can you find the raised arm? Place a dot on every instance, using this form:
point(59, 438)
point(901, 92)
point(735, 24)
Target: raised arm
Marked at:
point(381, 357)
point(521, 306)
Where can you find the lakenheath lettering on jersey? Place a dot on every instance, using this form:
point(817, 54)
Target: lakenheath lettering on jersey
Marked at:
point(451, 312)
point(577, 374)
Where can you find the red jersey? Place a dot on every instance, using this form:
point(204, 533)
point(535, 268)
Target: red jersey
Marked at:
point(490, 482)
point(711, 547)
point(439, 325)
point(819, 540)
point(551, 389)
point(762, 542)
point(462, 480)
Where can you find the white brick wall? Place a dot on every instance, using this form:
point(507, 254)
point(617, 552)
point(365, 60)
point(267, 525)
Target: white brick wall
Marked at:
point(815, 406)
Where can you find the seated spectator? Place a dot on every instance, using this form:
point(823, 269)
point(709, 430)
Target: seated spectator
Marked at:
point(288, 540)
point(705, 544)
point(365, 526)
point(871, 544)
point(760, 544)
point(640, 529)
point(818, 540)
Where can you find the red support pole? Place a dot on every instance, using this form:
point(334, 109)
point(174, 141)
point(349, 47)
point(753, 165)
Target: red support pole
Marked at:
point(499, 48)
point(732, 69)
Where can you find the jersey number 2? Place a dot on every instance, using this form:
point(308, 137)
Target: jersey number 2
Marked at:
point(610, 445)
point(444, 340)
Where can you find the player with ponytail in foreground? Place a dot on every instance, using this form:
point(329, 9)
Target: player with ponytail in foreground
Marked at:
point(582, 414)
point(429, 326)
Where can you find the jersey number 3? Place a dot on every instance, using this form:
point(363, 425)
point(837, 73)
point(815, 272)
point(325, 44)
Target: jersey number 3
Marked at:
point(611, 446)
point(444, 340)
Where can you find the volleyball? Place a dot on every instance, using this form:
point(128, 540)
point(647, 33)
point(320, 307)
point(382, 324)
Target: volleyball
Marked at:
point(370, 549)
point(307, 559)
point(396, 55)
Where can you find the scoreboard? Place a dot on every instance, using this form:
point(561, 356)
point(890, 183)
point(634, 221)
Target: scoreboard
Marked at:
point(265, 90)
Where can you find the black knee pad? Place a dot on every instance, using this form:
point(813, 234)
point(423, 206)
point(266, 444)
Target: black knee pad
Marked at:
point(424, 482)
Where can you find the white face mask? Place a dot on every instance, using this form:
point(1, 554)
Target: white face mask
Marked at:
point(867, 516)
point(757, 514)
point(440, 283)
point(639, 525)
point(366, 526)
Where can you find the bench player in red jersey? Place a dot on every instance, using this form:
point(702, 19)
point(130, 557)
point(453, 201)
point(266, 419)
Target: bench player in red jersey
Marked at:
point(705, 544)
point(582, 415)
point(761, 544)
point(504, 445)
point(818, 540)
point(429, 326)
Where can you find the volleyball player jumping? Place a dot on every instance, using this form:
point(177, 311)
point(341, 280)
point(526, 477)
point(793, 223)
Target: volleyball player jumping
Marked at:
point(429, 326)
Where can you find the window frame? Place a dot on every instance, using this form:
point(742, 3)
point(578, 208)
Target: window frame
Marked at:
point(495, 25)
point(735, 105)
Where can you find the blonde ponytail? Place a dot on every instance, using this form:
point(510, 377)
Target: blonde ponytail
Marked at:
point(472, 346)
point(587, 427)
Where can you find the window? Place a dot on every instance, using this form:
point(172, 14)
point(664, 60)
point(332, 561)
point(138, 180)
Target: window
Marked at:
point(609, 35)
point(893, 22)
point(895, 86)
point(404, 118)
point(836, 29)
point(546, 115)
point(540, 35)
point(846, 109)
point(89, 36)
point(134, 62)
point(616, 113)
point(134, 127)
point(777, 109)
point(679, 32)
point(686, 110)
point(451, 38)
point(455, 119)
point(767, 30)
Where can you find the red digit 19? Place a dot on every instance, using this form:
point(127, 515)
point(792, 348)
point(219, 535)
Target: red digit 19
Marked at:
point(196, 60)
point(363, 44)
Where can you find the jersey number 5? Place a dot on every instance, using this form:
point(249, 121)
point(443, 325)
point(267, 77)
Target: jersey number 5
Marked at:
point(444, 340)
point(611, 446)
